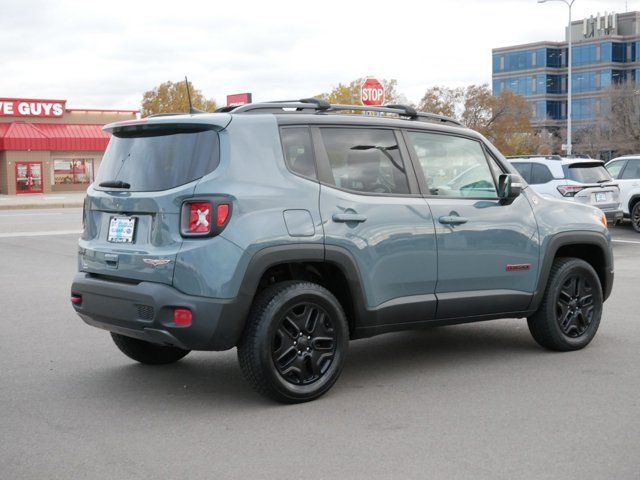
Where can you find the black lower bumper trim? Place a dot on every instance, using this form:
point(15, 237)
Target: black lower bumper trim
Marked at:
point(145, 311)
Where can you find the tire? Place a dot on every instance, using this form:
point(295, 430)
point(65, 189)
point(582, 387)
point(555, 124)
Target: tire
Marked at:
point(295, 342)
point(147, 352)
point(635, 216)
point(570, 312)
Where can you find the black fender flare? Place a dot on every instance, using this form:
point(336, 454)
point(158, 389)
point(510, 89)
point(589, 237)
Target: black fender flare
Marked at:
point(237, 311)
point(562, 239)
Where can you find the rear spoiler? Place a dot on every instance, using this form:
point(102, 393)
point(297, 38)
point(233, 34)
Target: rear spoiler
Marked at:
point(213, 121)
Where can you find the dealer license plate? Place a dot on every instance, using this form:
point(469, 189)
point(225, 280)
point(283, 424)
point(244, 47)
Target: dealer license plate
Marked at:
point(601, 197)
point(121, 229)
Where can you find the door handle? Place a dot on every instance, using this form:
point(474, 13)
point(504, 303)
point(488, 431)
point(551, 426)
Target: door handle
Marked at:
point(452, 220)
point(348, 217)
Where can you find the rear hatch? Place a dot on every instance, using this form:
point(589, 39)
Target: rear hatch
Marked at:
point(590, 183)
point(132, 211)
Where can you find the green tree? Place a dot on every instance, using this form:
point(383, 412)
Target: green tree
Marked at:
point(503, 119)
point(171, 97)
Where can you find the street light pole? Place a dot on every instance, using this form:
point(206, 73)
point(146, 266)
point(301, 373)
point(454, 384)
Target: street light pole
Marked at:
point(569, 4)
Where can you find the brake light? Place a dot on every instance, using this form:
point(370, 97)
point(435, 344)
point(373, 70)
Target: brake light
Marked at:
point(569, 190)
point(222, 213)
point(199, 217)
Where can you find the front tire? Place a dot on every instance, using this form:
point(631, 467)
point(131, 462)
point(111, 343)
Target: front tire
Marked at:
point(147, 352)
point(635, 217)
point(295, 342)
point(570, 312)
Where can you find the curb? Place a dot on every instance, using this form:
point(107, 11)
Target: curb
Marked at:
point(26, 206)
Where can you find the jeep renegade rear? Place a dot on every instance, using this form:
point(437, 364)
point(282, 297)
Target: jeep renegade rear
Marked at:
point(288, 229)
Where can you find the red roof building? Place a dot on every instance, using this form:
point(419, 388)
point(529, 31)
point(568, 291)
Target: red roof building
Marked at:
point(45, 147)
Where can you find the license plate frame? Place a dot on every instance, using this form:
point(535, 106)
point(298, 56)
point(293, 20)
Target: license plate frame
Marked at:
point(122, 229)
point(601, 197)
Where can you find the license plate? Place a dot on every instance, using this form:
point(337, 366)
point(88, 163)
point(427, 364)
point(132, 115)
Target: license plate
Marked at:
point(121, 229)
point(601, 197)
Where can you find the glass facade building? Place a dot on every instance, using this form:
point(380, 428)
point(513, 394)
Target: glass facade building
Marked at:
point(606, 51)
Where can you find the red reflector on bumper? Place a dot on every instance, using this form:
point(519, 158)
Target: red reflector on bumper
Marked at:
point(76, 299)
point(182, 317)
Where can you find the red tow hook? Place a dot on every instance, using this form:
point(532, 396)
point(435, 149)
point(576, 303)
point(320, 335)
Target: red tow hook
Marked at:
point(76, 299)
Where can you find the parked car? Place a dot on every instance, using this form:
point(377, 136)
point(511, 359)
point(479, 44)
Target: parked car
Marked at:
point(288, 229)
point(626, 172)
point(575, 179)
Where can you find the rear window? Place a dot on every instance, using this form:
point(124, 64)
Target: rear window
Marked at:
point(159, 159)
point(586, 172)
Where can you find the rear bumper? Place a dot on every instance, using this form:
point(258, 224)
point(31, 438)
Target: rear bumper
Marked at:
point(145, 310)
point(613, 215)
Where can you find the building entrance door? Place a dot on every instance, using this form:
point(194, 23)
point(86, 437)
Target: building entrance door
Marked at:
point(29, 177)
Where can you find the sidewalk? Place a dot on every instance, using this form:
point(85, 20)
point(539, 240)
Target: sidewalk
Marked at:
point(42, 200)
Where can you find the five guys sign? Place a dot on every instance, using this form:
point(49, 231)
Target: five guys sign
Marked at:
point(25, 107)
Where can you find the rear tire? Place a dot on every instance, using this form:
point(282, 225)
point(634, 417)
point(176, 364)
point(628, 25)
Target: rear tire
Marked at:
point(294, 345)
point(635, 216)
point(147, 352)
point(570, 312)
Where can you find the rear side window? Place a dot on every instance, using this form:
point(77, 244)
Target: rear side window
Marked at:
point(540, 174)
point(152, 160)
point(453, 166)
point(615, 168)
point(524, 169)
point(365, 160)
point(586, 172)
point(632, 170)
point(298, 151)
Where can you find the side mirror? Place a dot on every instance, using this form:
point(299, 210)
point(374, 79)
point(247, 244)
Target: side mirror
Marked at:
point(509, 186)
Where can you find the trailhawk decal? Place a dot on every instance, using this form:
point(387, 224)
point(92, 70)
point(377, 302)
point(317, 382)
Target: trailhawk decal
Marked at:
point(156, 262)
point(518, 267)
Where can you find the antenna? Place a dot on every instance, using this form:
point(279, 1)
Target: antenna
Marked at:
point(191, 109)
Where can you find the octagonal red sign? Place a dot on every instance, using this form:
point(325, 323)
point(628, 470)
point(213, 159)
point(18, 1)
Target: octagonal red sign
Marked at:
point(372, 92)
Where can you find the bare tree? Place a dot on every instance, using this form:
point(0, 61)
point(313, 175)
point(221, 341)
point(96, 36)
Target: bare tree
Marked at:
point(623, 119)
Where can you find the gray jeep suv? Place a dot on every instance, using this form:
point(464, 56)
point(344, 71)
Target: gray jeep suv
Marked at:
point(287, 229)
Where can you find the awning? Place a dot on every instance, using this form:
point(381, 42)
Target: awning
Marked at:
point(52, 136)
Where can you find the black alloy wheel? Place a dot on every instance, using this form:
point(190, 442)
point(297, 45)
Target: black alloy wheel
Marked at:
point(304, 344)
point(574, 305)
point(295, 342)
point(635, 217)
point(571, 308)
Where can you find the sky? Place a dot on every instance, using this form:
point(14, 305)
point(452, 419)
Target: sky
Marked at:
point(106, 54)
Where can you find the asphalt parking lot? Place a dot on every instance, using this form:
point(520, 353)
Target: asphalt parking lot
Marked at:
point(478, 401)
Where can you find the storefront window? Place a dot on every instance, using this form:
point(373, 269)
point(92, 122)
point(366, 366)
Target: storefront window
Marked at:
point(67, 171)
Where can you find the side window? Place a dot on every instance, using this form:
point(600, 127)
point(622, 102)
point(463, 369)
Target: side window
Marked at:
point(524, 169)
point(453, 166)
point(540, 174)
point(632, 171)
point(365, 160)
point(615, 168)
point(298, 151)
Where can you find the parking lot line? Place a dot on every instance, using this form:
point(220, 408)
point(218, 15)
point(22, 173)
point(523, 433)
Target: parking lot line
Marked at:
point(39, 234)
point(625, 241)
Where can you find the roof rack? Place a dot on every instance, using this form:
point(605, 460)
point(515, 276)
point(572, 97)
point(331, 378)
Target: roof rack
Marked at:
point(546, 157)
point(322, 106)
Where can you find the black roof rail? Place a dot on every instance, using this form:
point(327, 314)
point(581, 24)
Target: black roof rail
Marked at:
point(546, 157)
point(322, 106)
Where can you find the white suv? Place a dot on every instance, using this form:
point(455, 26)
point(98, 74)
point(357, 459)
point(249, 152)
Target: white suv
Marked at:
point(626, 171)
point(576, 179)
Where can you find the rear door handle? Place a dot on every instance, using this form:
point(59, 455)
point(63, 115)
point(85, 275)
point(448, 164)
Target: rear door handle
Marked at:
point(111, 260)
point(348, 217)
point(452, 220)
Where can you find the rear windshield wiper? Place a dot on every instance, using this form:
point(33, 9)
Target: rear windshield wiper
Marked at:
point(115, 184)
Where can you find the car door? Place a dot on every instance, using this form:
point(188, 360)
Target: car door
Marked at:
point(487, 249)
point(372, 209)
point(629, 182)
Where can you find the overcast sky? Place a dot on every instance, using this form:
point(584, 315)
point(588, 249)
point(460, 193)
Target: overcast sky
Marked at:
point(106, 54)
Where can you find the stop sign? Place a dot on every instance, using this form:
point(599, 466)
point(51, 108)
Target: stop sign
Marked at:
point(372, 92)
